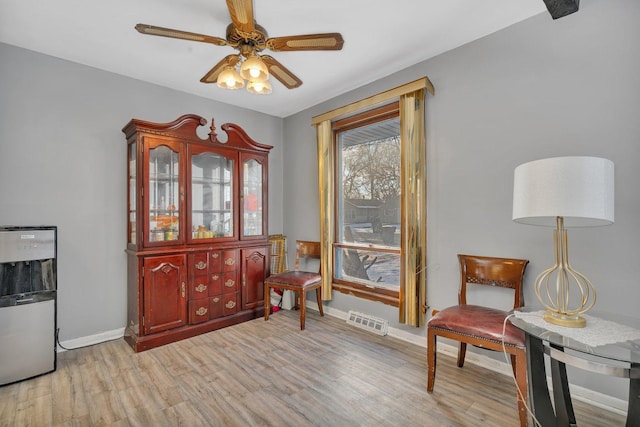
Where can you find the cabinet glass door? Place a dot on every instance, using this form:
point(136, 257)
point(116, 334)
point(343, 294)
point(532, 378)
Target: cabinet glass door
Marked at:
point(252, 198)
point(164, 194)
point(211, 196)
point(132, 194)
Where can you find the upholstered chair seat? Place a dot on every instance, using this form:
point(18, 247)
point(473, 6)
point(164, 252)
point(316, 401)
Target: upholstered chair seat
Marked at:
point(479, 322)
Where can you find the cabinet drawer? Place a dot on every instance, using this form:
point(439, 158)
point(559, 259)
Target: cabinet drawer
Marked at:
point(199, 287)
point(215, 284)
point(215, 261)
point(199, 310)
point(229, 282)
point(199, 264)
point(230, 304)
point(229, 260)
point(215, 307)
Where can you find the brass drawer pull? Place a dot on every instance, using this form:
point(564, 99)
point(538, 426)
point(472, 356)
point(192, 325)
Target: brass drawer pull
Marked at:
point(229, 283)
point(215, 277)
point(201, 311)
point(201, 288)
point(183, 290)
point(215, 255)
point(230, 304)
point(201, 265)
point(229, 261)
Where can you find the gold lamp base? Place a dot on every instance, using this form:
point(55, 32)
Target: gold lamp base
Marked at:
point(565, 320)
point(555, 295)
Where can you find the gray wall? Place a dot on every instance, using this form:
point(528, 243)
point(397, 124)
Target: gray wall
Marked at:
point(63, 162)
point(538, 89)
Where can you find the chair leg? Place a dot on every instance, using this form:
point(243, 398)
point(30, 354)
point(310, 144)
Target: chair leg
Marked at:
point(513, 364)
point(319, 297)
point(431, 359)
point(303, 308)
point(520, 369)
point(462, 352)
point(267, 301)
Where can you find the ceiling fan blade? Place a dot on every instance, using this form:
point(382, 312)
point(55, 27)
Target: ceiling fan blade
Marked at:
point(212, 75)
point(279, 71)
point(177, 34)
point(241, 12)
point(326, 41)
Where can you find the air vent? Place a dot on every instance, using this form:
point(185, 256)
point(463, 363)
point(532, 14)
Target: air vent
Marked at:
point(368, 322)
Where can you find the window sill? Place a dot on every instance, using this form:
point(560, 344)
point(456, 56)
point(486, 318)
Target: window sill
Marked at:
point(385, 296)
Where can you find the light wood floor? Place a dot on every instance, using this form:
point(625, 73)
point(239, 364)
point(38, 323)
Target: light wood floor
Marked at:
point(267, 374)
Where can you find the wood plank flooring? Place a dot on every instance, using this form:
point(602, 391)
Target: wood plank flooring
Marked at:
point(268, 374)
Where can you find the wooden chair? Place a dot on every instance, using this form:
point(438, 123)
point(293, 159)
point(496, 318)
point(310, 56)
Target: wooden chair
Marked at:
point(483, 326)
point(297, 281)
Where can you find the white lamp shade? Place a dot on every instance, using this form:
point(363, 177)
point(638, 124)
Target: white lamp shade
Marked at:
point(579, 189)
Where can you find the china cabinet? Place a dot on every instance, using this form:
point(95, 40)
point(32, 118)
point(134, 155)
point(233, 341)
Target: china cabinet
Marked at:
point(197, 230)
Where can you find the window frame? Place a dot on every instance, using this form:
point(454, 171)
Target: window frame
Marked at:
point(361, 290)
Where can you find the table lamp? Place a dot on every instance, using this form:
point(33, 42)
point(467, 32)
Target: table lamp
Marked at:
point(564, 192)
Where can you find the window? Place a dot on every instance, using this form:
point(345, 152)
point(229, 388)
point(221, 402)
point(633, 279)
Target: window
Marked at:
point(342, 206)
point(367, 226)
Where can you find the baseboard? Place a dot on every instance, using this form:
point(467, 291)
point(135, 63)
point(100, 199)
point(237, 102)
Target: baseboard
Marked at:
point(90, 340)
point(582, 394)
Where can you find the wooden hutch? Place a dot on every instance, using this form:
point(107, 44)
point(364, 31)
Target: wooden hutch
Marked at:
point(197, 230)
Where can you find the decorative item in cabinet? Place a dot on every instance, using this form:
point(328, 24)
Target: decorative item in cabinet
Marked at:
point(196, 209)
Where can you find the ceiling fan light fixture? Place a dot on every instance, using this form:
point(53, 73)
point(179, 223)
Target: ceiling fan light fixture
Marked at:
point(229, 78)
point(259, 87)
point(247, 66)
point(254, 69)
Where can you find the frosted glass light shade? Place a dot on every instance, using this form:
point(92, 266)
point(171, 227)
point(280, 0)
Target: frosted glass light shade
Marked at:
point(253, 68)
point(579, 189)
point(259, 88)
point(229, 78)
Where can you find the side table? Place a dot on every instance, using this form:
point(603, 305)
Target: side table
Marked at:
point(608, 345)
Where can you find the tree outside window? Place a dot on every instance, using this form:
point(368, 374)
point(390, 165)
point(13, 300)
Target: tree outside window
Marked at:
point(367, 248)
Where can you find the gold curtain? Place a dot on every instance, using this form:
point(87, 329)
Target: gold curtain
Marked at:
point(413, 160)
point(327, 200)
point(413, 235)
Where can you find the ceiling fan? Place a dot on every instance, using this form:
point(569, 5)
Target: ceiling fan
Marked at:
point(249, 38)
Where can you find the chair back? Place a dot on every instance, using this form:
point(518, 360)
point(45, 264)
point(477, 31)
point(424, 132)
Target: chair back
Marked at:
point(501, 272)
point(306, 249)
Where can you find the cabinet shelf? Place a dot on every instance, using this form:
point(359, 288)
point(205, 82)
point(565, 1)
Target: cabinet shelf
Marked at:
point(210, 181)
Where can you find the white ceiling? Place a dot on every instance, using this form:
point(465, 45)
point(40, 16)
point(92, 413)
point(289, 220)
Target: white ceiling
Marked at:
point(381, 37)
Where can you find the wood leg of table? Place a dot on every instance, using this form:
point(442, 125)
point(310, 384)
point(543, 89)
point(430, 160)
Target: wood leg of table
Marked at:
point(539, 398)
